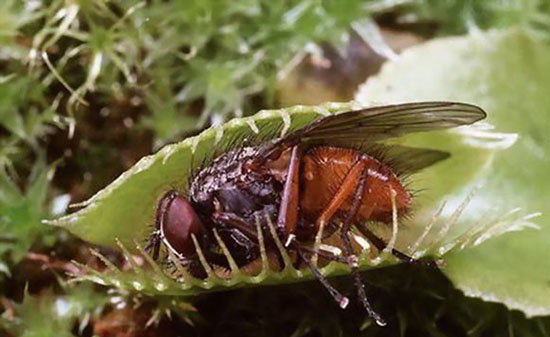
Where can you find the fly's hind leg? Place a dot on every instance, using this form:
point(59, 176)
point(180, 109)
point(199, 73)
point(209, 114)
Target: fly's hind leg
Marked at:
point(352, 185)
point(338, 297)
point(348, 249)
point(381, 245)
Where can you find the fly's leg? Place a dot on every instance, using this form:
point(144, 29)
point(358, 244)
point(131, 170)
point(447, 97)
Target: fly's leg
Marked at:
point(234, 221)
point(352, 259)
point(153, 245)
point(156, 237)
point(349, 186)
point(344, 191)
point(381, 245)
point(288, 210)
point(338, 297)
point(288, 218)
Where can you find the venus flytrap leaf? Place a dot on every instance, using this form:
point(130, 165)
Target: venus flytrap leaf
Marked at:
point(110, 217)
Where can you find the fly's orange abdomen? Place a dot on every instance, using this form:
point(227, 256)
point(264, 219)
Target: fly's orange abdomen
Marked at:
point(324, 171)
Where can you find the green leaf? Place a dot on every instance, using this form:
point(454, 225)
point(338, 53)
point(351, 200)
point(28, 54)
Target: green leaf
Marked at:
point(122, 215)
point(21, 212)
point(49, 315)
point(508, 74)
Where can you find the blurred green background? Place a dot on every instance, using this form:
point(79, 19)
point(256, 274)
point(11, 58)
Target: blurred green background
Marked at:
point(88, 87)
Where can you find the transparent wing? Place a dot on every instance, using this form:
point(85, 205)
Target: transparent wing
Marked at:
point(377, 123)
point(405, 160)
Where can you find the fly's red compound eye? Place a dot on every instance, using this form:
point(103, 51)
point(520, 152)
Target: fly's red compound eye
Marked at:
point(177, 220)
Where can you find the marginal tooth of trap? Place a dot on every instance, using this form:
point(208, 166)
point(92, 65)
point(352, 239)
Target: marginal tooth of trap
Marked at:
point(106, 261)
point(128, 256)
point(333, 249)
point(194, 143)
point(154, 319)
point(323, 111)
point(532, 216)
point(139, 286)
point(479, 233)
point(391, 243)
point(168, 152)
point(187, 278)
point(282, 250)
point(263, 254)
point(427, 229)
point(286, 122)
point(252, 125)
point(160, 286)
point(361, 241)
point(317, 244)
point(446, 247)
point(202, 259)
point(219, 134)
point(353, 261)
point(469, 236)
point(116, 282)
point(149, 259)
point(454, 218)
point(90, 274)
point(289, 240)
point(232, 264)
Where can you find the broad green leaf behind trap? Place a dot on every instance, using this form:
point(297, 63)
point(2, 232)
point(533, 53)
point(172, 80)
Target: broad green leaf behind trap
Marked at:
point(508, 74)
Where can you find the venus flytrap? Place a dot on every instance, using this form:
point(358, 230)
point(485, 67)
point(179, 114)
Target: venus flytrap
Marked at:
point(110, 217)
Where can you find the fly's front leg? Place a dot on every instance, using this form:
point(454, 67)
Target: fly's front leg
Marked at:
point(156, 238)
point(232, 220)
point(288, 210)
point(153, 245)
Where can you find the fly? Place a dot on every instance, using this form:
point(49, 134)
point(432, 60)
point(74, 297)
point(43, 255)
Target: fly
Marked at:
point(326, 178)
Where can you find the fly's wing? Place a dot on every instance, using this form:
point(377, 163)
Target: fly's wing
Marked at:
point(377, 123)
point(405, 160)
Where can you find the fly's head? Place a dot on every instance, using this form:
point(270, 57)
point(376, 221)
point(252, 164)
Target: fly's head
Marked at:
point(176, 222)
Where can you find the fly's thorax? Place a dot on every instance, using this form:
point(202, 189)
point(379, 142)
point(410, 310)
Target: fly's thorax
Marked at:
point(224, 169)
point(227, 185)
